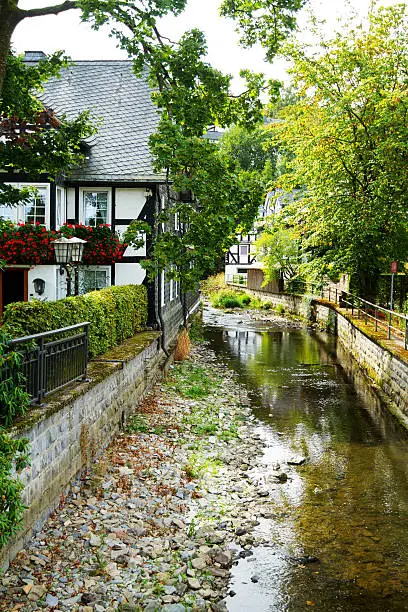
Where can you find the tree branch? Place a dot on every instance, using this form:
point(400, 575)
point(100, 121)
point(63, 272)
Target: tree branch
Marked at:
point(50, 10)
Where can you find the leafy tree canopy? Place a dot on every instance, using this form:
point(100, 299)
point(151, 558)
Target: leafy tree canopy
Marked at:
point(190, 95)
point(266, 21)
point(252, 150)
point(279, 251)
point(348, 135)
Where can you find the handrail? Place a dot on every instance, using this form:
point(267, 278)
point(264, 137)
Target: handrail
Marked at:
point(48, 333)
point(362, 306)
point(49, 365)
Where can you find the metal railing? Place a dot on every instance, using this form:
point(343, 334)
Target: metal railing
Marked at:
point(52, 359)
point(237, 279)
point(393, 322)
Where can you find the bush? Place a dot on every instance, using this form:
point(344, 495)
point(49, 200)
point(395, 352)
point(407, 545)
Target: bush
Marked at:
point(246, 300)
point(14, 401)
point(115, 313)
point(226, 299)
point(13, 457)
point(213, 284)
point(280, 309)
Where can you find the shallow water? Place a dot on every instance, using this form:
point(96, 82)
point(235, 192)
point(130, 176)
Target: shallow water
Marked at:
point(348, 504)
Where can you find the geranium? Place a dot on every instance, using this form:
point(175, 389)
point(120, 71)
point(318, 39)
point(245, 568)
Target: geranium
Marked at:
point(31, 243)
point(26, 243)
point(103, 245)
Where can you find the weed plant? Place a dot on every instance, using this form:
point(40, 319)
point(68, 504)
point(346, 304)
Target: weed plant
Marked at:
point(213, 284)
point(137, 424)
point(191, 381)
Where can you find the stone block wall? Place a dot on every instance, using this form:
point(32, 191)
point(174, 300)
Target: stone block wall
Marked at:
point(76, 423)
point(386, 372)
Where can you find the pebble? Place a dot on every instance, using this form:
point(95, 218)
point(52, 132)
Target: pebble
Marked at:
point(163, 529)
point(194, 584)
point(51, 601)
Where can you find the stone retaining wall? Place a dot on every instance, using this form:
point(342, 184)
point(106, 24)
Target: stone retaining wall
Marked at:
point(386, 372)
point(77, 422)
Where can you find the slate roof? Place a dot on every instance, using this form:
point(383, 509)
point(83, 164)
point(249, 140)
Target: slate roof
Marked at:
point(121, 101)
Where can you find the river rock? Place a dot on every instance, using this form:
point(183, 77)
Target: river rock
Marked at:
point(297, 460)
point(36, 592)
point(199, 563)
point(51, 601)
point(194, 584)
point(223, 558)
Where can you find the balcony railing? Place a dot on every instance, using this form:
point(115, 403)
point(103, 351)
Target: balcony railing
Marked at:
point(52, 359)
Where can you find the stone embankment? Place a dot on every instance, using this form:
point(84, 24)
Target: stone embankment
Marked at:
point(163, 514)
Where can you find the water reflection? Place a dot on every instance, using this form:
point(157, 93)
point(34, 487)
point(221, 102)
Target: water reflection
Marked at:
point(348, 505)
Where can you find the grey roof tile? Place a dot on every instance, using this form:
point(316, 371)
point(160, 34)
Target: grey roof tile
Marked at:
point(122, 103)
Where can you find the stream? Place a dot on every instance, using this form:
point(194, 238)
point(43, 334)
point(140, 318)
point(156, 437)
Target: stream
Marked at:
point(336, 533)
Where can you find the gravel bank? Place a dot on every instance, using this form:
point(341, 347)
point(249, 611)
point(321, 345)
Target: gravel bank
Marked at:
point(166, 511)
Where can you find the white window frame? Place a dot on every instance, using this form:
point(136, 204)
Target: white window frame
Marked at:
point(22, 207)
point(20, 210)
point(163, 289)
point(95, 269)
point(60, 207)
point(83, 191)
point(176, 222)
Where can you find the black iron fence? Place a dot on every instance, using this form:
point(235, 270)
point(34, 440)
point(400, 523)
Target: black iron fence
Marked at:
point(394, 323)
point(52, 359)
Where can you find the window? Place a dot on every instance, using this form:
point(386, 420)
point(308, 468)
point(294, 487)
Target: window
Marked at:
point(8, 213)
point(243, 250)
point(61, 208)
point(176, 222)
point(93, 278)
point(34, 210)
point(95, 207)
point(163, 289)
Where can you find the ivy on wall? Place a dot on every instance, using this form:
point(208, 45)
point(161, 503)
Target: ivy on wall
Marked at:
point(13, 453)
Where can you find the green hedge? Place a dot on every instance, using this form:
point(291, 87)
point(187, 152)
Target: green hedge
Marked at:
point(115, 313)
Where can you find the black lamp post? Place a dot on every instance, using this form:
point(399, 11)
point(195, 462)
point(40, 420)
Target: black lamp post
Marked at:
point(68, 253)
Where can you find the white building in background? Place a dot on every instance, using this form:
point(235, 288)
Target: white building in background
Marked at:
point(241, 256)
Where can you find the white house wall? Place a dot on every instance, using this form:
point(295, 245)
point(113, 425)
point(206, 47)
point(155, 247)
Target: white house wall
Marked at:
point(49, 275)
point(129, 203)
point(129, 274)
point(130, 251)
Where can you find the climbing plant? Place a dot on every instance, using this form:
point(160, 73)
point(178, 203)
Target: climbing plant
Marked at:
point(13, 452)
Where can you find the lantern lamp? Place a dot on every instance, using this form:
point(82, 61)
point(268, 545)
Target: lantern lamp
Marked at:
point(68, 253)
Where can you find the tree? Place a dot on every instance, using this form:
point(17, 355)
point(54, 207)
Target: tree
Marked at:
point(139, 16)
point(279, 251)
point(348, 135)
point(190, 95)
point(266, 21)
point(33, 140)
point(252, 150)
